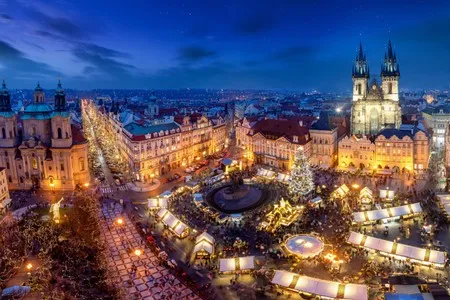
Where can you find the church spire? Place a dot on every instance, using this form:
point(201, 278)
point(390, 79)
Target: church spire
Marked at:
point(5, 98)
point(390, 66)
point(60, 97)
point(360, 68)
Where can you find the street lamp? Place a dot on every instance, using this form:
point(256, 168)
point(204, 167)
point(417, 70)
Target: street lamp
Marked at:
point(119, 221)
point(29, 266)
point(152, 176)
point(138, 252)
point(86, 185)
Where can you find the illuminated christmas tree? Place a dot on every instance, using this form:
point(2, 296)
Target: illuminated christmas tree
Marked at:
point(301, 182)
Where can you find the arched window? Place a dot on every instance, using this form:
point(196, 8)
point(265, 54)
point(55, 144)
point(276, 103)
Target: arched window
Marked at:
point(59, 133)
point(3, 133)
point(390, 88)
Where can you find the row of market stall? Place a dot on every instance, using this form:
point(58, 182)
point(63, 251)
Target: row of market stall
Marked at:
point(444, 203)
point(317, 287)
point(269, 174)
point(367, 217)
point(398, 251)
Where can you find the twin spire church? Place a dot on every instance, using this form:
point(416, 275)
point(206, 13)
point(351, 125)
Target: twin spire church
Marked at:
point(375, 107)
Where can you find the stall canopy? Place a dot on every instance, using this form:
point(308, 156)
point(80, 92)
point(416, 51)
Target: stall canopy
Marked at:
point(366, 195)
point(424, 256)
point(166, 194)
point(204, 242)
point(387, 194)
point(341, 191)
point(323, 288)
point(265, 173)
point(236, 264)
point(198, 198)
point(283, 177)
point(172, 222)
point(154, 203)
point(392, 212)
point(444, 200)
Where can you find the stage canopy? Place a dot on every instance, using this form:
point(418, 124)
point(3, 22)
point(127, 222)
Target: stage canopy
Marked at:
point(401, 251)
point(236, 264)
point(324, 288)
point(392, 212)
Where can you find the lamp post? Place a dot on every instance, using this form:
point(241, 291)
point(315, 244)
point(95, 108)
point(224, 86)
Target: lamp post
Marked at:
point(152, 176)
point(29, 266)
point(52, 185)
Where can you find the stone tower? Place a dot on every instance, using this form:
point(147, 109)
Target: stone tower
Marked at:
point(390, 73)
point(360, 75)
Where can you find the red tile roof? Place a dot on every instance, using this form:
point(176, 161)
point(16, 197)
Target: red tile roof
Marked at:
point(282, 128)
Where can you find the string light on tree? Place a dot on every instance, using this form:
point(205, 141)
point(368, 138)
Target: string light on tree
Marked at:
point(301, 182)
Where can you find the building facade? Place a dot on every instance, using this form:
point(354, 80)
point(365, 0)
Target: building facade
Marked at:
point(40, 148)
point(437, 119)
point(4, 190)
point(399, 150)
point(375, 107)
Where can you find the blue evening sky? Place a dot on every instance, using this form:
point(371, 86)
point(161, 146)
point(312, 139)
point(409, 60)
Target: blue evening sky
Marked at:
point(292, 44)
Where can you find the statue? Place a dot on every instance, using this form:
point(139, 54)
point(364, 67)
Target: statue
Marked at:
point(54, 209)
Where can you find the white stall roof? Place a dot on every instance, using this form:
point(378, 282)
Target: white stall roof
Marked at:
point(445, 202)
point(166, 194)
point(203, 245)
point(406, 251)
point(320, 287)
point(236, 264)
point(205, 236)
point(157, 202)
point(170, 220)
point(392, 212)
point(198, 197)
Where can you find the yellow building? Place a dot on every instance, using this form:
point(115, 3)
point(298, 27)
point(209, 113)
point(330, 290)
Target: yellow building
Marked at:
point(46, 151)
point(399, 150)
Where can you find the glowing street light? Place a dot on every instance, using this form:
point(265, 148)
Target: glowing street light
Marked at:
point(86, 184)
point(29, 266)
point(138, 252)
point(119, 221)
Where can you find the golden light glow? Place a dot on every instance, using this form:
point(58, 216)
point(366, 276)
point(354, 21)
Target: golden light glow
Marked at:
point(86, 184)
point(308, 245)
point(119, 221)
point(29, 266)
point(138, 252)
point(52, 184)
point(299, 241)
point(355, 185)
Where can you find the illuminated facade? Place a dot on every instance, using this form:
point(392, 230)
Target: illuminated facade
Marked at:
point(375, 107)
point(404, 149)
point(40, 147)
point(156, 146)
point(273, 142)
point(438, 119)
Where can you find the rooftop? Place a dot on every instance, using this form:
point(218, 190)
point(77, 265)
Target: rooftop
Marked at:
point(282, 128)
point(139, 131)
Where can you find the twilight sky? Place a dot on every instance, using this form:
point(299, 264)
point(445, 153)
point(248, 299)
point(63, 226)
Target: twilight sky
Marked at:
point(292, 44)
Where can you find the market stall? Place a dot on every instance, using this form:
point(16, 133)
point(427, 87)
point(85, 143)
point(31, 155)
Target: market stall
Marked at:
point(166, 194)
point(387, 194)
point(283, 177)
point(323, 288)
point(157, 203)
point(387, 213)
point(174, 224)
point(366, 196)
point(230, 265)
point(398, 251)
point(265, 173)
point(198, 199)
point(340, 192)
point(204, 246)
point(444, 203)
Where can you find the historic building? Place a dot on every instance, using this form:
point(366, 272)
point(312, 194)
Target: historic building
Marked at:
point(375, 107)
point(437, 119)
point(403, 149)
point(155, 146)
point(40, 147)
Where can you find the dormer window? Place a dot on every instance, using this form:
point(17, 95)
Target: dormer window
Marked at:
point(295, 139)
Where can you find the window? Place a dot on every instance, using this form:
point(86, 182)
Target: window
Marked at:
point(390, 88)
point(62, 167)
point(81, 163)
point(7, 165)
point(34, 163)
point(59, 133)
point(3, 133)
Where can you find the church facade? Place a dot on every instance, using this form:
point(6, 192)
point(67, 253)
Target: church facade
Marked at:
point(375, 107)
point(39, 147)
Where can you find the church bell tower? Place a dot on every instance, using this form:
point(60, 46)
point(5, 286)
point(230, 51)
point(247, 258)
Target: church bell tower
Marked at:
point(360, 75)
point(390, 74)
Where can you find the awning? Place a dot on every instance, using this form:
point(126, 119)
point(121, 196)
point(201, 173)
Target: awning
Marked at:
point(324, 288)
point(392, 212)
point(166, 194)
point(204, 242)
point(157, 203)
point(236, 264)
point(198, 198)
point(172, 222)
point(425, 256)
point(387, 194)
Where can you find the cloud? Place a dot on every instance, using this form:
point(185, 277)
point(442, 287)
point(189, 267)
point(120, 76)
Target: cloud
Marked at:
point(293, 54)
point(255, 24)
point(15, 62)
point(194, 54)
point(103, 60)
point(5, 18)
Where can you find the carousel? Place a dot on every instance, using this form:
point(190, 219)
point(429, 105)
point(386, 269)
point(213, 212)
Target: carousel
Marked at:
point(304, 245)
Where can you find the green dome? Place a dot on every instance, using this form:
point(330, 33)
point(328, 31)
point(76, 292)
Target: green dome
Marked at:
point(38, 108)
